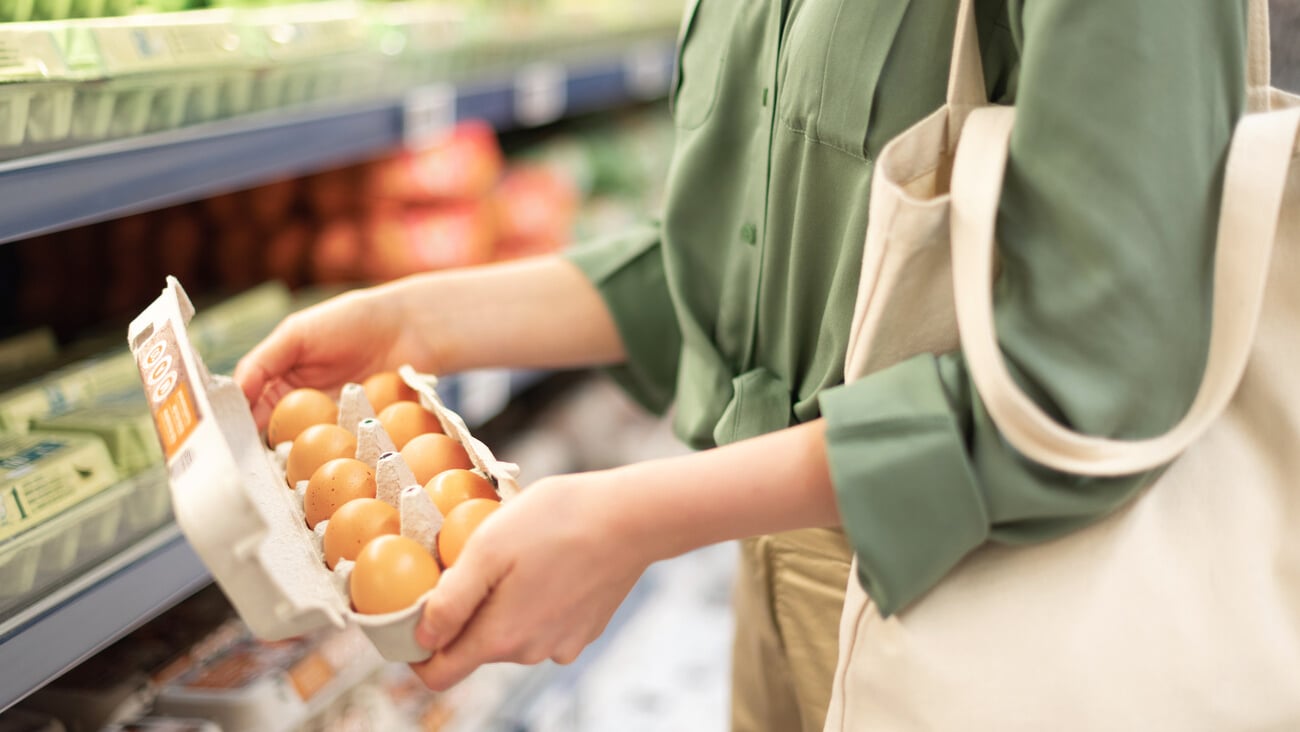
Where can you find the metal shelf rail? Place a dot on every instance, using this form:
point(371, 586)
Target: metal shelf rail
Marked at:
point(84, 185)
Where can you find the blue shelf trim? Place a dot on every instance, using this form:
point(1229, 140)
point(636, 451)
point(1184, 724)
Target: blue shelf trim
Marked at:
point(92, 611)
point(61, 190)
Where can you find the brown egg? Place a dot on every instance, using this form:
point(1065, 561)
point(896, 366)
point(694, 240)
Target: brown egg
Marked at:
point(316, 446)
point(387, 387)
point(404, 421)
point(451, 488)
point(459, 523)
point(354, 524)
point(392, 572)
point(430, 454)
point(298, 410)
point(334, 484)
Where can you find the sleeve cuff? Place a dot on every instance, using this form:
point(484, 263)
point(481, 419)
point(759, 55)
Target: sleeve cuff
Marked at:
point(910, 503)
point(628, 271)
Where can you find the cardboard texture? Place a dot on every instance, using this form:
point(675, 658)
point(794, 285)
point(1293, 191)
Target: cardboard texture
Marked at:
point(229, 494)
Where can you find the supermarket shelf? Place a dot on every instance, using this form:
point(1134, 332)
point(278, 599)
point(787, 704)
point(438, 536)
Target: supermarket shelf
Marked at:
point(87, 614)
point(84, 185)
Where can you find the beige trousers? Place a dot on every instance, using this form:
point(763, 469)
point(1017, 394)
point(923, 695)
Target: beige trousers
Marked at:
point(788, 597)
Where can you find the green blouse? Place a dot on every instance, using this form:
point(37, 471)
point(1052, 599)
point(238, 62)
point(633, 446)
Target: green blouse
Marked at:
point(735, 308)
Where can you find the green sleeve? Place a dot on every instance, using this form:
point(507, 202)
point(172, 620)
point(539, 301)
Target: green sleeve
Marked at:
point(628, 271)
point(1106, 236)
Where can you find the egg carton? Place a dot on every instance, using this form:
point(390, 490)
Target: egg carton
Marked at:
point(151, 73)
point(36, 88)
point(309, 53)
point(48, 552)
point(231, 501)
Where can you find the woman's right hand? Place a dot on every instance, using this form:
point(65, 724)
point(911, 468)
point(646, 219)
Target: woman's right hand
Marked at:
point(344, 339)
point(534, 313)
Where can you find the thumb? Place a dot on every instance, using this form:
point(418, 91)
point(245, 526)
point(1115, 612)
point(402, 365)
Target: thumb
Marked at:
point(460, 591)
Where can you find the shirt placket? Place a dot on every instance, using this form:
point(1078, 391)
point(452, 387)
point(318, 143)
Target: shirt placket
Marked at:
point(752, 233)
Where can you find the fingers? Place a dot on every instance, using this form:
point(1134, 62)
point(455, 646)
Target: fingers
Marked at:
point(459, 593)
point(261, 373)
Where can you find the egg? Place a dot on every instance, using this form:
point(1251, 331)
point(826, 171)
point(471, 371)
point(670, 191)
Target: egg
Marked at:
point(430, 454)
point(354, 524)
point(298, 410)
point(316, 446)
point(392, 573)
point(404, 421)
point(386, 387)
point(451, 488)
point(459, 523)
point(334, 484)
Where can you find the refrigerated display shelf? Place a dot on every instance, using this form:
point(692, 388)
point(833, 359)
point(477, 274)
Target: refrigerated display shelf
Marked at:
point(88, 613)
point(61, 190)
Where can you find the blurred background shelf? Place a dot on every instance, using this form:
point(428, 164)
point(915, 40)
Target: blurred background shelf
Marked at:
point(61, 190)
point(91, 611)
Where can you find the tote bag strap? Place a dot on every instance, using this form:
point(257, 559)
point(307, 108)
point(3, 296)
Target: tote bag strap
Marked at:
point(1258, 164)
point(965, 72)
point(1258, 57)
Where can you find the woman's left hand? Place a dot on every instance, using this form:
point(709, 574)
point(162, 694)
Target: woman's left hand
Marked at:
point(539, 579)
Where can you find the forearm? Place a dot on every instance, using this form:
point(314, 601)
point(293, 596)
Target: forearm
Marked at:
point(776, 482)
point(537, 313)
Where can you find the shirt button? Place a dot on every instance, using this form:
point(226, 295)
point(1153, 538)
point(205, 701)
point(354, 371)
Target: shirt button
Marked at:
point(749, 233)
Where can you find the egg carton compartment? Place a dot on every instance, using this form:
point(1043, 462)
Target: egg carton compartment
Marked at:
point(35, 85)
point(108, 109)
point(48, 552)
point(230, 496)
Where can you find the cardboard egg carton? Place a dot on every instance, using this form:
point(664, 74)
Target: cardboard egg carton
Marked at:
point(231, 500)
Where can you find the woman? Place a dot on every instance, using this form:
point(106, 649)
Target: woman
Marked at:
point(736, 309)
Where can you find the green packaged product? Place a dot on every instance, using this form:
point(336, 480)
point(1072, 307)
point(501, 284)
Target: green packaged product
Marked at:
point(36, 92)
point(77, 385)
point(125, 427)
point(43, 474)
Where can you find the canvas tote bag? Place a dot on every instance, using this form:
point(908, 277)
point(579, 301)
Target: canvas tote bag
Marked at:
point(1182, 610)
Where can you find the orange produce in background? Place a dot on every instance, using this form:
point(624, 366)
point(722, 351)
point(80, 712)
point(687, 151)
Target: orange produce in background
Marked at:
point(535, 208)
point(337, 254)
point(465, 164)
point(404, 241)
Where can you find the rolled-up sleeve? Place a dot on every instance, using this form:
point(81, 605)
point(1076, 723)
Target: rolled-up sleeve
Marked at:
point(628, 271)
point(1106, 235)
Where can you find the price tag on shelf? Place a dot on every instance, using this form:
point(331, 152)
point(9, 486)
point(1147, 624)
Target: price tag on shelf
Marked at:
point(540, 94)
point(648, 71)
point(427, 114)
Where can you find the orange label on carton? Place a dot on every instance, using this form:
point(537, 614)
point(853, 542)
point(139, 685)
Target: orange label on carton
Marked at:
point(167, 385)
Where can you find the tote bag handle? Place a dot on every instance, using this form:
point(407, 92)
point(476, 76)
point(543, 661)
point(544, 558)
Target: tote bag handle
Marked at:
point(1258, 164)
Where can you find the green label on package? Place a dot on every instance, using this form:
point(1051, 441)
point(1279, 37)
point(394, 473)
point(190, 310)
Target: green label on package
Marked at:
point(42, 475)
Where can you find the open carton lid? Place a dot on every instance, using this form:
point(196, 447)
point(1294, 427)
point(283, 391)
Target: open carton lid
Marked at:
point(229, 495)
